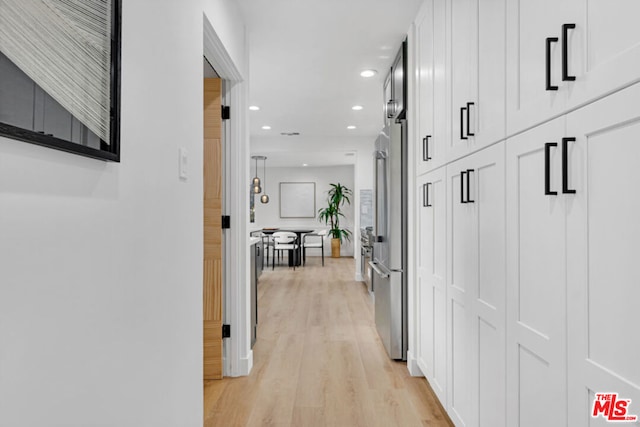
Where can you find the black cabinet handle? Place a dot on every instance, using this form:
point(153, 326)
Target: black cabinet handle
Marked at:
point(425, 148)
point(462, 174)
point(565, 52)
point(469, 104)
point(462, 123)
point(548, 64)
point(547, 169)
point(469, 186)
point(425, 195)
point(565, 166)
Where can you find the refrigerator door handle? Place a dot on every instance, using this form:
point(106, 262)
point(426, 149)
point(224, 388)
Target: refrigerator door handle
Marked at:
point(381, 195)
point(375, 268)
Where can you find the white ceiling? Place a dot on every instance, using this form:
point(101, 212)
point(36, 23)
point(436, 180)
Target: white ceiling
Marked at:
point(305, 62)
point(309, 158)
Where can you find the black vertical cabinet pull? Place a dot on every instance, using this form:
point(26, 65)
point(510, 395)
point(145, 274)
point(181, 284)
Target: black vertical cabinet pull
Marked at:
point(469, 186)
point(548, 63)
point(469, 104)
point(565, 52)
point(462, 136)
point(462, 174)
point(425, 148)
point(425, 195)
point(547, 169)
point(565, 166)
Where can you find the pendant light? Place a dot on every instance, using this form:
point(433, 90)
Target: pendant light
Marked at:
point(255, 185)
point(264, 198)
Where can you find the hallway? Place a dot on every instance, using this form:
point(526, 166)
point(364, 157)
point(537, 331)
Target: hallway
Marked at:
point(318, 360)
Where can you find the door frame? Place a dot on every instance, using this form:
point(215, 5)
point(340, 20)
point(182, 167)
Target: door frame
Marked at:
point(237, 353)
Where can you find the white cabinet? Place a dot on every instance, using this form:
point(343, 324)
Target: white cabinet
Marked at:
point(430, 55)
point(536, 277)
point(527, 303)
point(431, 286)
point(603, 231)
point(562, 54)
point(477, 74)
point(572, 233)
point(476, 288)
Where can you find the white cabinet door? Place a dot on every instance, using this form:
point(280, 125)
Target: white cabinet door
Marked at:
point(431, 289)
point(594, 51)
point(603, 50)
point(488, 298)
point(488, 117)
point(530, 23)
point(603, 252)
point(462, 70)
point(477, 70)
point(536, 281)
point(430, 53)
point(476, 288)
point(461, 267)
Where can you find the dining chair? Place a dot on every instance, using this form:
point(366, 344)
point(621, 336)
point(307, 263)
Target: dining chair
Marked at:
point(316, 241)
point(267, 244)
point(285, 241)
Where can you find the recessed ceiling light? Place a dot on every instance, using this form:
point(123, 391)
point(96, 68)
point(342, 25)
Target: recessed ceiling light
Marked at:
point(357, 107)
point(351, 127)
point(254, 108)
point(266, 127)
point(304, 164)
point(368, 73)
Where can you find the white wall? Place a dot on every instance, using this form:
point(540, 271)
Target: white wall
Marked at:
point(101, 263)
point(268, 215)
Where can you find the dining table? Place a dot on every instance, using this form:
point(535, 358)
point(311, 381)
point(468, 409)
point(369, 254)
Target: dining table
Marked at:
point(299, 232)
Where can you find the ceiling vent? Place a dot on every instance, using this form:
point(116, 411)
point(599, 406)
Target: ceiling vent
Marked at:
point(289, 133)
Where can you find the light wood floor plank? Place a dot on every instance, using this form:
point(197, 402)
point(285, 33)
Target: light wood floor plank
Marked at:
point(318, 360)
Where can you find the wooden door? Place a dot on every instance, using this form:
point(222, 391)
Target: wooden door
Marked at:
point(536, 291)
point(212, 262)
point(603, 232)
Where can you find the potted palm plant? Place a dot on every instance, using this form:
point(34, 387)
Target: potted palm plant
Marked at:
point(337, 196)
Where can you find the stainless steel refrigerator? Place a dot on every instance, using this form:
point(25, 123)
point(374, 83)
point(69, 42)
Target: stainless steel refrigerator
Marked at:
point(390, 247)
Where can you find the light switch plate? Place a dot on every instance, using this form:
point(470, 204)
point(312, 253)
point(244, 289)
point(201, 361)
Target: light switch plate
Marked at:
point(183, 163)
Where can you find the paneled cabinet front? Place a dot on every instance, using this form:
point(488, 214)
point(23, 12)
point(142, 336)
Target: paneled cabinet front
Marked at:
point(476, 288)
point(603, 231)
point(431, 93)
point(536, 277)
point(562, 54)
point(431, 289)
point(477, 74)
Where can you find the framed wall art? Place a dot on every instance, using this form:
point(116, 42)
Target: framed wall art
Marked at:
point(60, 74)
point(297, 200)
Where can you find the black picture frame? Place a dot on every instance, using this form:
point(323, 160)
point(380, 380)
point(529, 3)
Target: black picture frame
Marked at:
point(108, 152)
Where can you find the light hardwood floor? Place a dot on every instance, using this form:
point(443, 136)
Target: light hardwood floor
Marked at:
point(318, 360)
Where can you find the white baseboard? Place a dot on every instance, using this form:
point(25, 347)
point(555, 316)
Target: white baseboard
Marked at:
point(412, 366)
point(359, 277)
point(245, 365)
